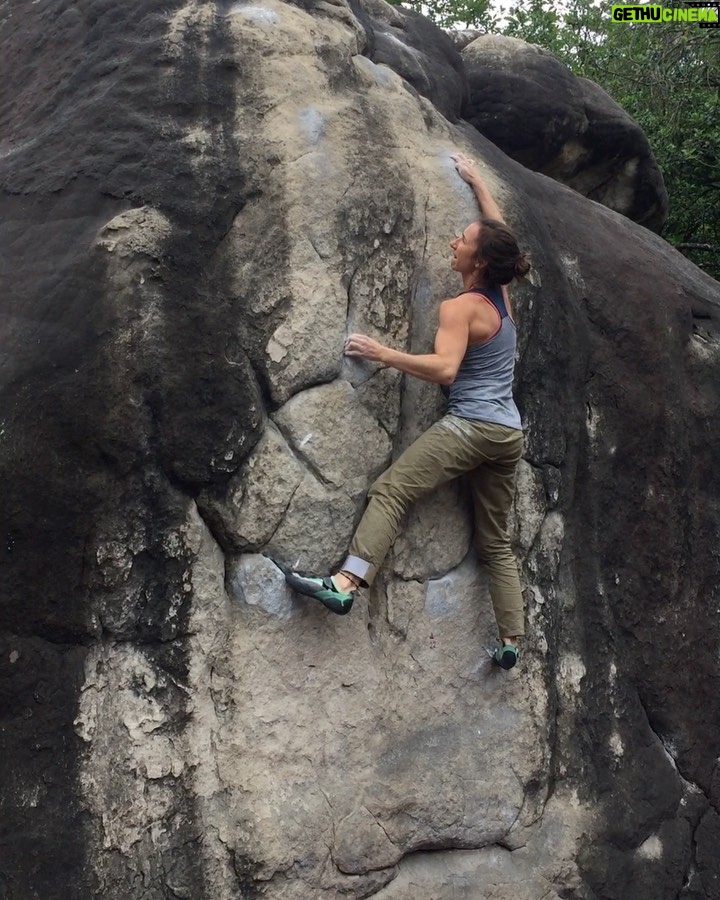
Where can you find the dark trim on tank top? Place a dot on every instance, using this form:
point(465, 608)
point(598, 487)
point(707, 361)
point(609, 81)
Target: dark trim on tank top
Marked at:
point(499, 288)
point(481, 292)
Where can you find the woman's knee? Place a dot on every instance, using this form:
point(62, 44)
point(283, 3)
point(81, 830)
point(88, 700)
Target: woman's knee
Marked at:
point(498, 552)
point(386, 490)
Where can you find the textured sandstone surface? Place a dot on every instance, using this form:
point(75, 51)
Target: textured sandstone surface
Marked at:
point(200, 202)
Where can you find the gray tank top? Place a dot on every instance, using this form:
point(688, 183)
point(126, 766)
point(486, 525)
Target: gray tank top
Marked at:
point(482, 389)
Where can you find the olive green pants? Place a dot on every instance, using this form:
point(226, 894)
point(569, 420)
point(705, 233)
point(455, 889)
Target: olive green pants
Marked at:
point(488, 454)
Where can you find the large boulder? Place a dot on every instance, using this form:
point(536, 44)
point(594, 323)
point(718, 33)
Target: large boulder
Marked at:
point(199, 202)
point(533, 107)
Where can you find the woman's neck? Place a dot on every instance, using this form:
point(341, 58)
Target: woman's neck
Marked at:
point(472, 280)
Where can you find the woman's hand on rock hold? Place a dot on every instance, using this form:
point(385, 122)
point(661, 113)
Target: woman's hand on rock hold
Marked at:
point(364, 346)
point(465, 167)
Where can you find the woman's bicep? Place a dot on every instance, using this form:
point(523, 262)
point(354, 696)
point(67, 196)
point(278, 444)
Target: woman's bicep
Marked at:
point(452, 335)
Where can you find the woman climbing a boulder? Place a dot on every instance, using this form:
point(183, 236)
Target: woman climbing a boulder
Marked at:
point(480, 435)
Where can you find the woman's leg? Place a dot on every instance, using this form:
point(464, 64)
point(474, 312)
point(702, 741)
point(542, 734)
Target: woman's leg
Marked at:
point(450, 448)
point(493, 490)
point(439, 455)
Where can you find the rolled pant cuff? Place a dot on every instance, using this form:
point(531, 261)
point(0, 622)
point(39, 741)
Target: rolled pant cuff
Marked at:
point(360, 568)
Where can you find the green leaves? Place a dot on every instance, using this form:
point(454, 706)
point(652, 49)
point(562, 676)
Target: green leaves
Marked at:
point(456, 13)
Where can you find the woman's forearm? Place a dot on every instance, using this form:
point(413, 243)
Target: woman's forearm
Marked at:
point(429, 367)
point(488, 206)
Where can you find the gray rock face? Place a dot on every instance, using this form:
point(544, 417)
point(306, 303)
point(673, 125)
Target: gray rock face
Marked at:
point(254, 503)
point(199, 203)
point(253, 580)
point(420, 53)
point(539, 113)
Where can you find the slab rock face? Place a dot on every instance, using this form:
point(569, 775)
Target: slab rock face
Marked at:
point(199, 203)
point(532, 106)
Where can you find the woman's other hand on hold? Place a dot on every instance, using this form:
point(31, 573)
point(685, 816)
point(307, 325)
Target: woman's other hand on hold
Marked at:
point(465, 167)
point(469, 172)
point(365, 347)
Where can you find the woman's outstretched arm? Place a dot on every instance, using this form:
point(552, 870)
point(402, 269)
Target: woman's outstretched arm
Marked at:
point(440, 367)
point(468, 171)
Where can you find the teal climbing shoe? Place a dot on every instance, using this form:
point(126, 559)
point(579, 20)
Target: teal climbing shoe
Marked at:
point(506, 656)
point(322, 589)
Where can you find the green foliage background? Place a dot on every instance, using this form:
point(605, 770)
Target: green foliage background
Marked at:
point(666, 75)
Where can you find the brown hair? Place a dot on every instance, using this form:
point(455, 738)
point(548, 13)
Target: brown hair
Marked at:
point(498, 248)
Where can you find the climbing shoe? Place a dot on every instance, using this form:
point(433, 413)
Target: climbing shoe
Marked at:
point(506, 656)
point(322, 589)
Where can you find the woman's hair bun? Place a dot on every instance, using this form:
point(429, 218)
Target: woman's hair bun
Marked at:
point(522, 266)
